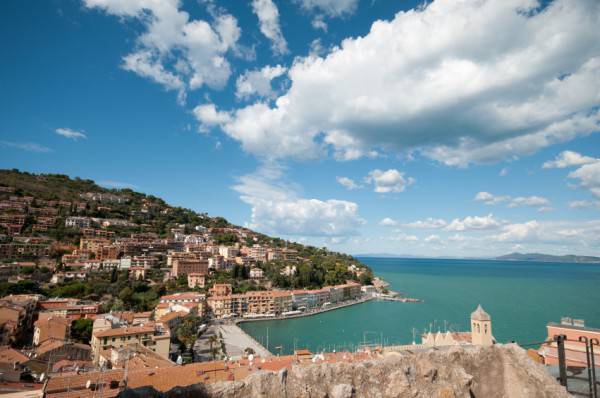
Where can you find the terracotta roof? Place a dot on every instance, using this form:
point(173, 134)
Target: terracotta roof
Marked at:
point(125, 331)
point(10, 355)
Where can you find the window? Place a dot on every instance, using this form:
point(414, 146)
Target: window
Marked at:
point(485, 329)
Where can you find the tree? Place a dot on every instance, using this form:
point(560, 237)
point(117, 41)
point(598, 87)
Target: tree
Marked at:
point(81, 330)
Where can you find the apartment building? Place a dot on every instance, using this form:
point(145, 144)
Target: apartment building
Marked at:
point(78, 222)
point(250, 303)
point(154, 336)
point(189, 266)
point(51, 328)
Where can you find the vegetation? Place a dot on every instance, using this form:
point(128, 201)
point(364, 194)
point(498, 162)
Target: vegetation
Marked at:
point(81, 330)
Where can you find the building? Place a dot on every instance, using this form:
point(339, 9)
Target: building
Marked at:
point(256, 273)
point(258, 253)
point(186, 301)
point(78, 222)
point(481, 327)
point(52, 328)
point(70, 308)
point(250, 304)
point(575, 350)
point(220, 289)
point(137, 273)
point(182, 267)
point(154, 336)
point(228, 251)
point(196, 280)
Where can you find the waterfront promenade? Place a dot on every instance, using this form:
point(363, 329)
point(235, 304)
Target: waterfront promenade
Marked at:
point(236, 341)
point(308, 312)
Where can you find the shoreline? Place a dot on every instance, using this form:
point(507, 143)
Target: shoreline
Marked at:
point(305, 314)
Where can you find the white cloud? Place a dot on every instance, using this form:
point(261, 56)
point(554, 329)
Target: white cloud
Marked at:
point(277, 209)
point(474, 223)
point(503, 172)
point(428, 223)
point(545, 209)
point(258, 82)
point(268, 18)
point(528, 201)
point(26, 146)
point(582, 204)
point(432, 239)
point(332, 8)
point(589, 177)
point(319, 23)
point(497, 94)
point(519, 232)
point(402, 237)
point(208, 115)
point(388, 222)
point(568, 159)
point(490, 199)
point(175, 51)
point(347, 183)
point(588, 172)
point(388, 181)
point(69, 133)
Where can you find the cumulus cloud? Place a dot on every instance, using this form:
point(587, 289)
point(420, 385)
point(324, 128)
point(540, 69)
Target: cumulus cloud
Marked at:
point(501, 93)
point(428, 223)
point(331, 8)
point(268, 18)
point(347, 183)
point(433, 239)
point(582, 204)
point(69, 133)
point(26, 146)
point(402, 237)
point(208, 116)
point(175, 51)
point(258, 82)
point(490, 199)
point(276, 208)
point(588, 172)
point(388, 181)
point(589, 177)
point(519, 232)
point(474, 223)
point(388, 222)
point(529, 201)
point(568, 159)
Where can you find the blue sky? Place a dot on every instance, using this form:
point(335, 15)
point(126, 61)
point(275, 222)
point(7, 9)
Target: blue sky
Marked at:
point(446, 129)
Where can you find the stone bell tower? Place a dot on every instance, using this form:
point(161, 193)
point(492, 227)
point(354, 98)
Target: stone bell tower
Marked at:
point(481, 327)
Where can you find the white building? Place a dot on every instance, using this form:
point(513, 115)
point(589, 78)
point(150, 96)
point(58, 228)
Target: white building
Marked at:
point(78, 222)
point(256, 273)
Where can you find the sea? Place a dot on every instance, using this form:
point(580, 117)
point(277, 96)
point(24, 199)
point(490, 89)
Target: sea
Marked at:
point(521, 297)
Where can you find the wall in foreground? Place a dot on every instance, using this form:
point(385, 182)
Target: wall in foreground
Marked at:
point(490, 372)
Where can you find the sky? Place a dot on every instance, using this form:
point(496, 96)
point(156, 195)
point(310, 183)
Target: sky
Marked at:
point(444, 128)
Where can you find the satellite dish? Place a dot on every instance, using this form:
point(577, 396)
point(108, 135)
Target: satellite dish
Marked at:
point(251, 357)
point(88, 384)
point(179, 360)
point(43, 376)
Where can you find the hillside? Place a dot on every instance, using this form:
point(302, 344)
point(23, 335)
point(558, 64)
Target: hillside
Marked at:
point(569, 258)
point(37, 212)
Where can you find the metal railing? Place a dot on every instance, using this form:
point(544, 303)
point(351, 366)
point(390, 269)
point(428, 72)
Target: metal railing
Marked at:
point(564, 377)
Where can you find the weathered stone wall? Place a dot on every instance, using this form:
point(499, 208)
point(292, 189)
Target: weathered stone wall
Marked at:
point(487, 372)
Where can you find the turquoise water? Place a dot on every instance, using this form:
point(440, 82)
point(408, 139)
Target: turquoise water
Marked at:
point(521, 297)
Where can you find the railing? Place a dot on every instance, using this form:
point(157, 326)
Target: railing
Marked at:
point(563, 377)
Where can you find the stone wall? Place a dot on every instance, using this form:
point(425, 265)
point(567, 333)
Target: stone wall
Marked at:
point(490, 372)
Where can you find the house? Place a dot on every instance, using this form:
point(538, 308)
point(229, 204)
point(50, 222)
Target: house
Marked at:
point(12, 364)
point(575, 350)
point(256, 273)
point(220, 289)
point(137, 273)
point(189, 266)
point(196, 280)
point(52, 328)
point(78, 222)
point(154, 336)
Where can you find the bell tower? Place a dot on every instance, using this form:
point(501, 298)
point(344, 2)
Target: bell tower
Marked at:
point(481, 327)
